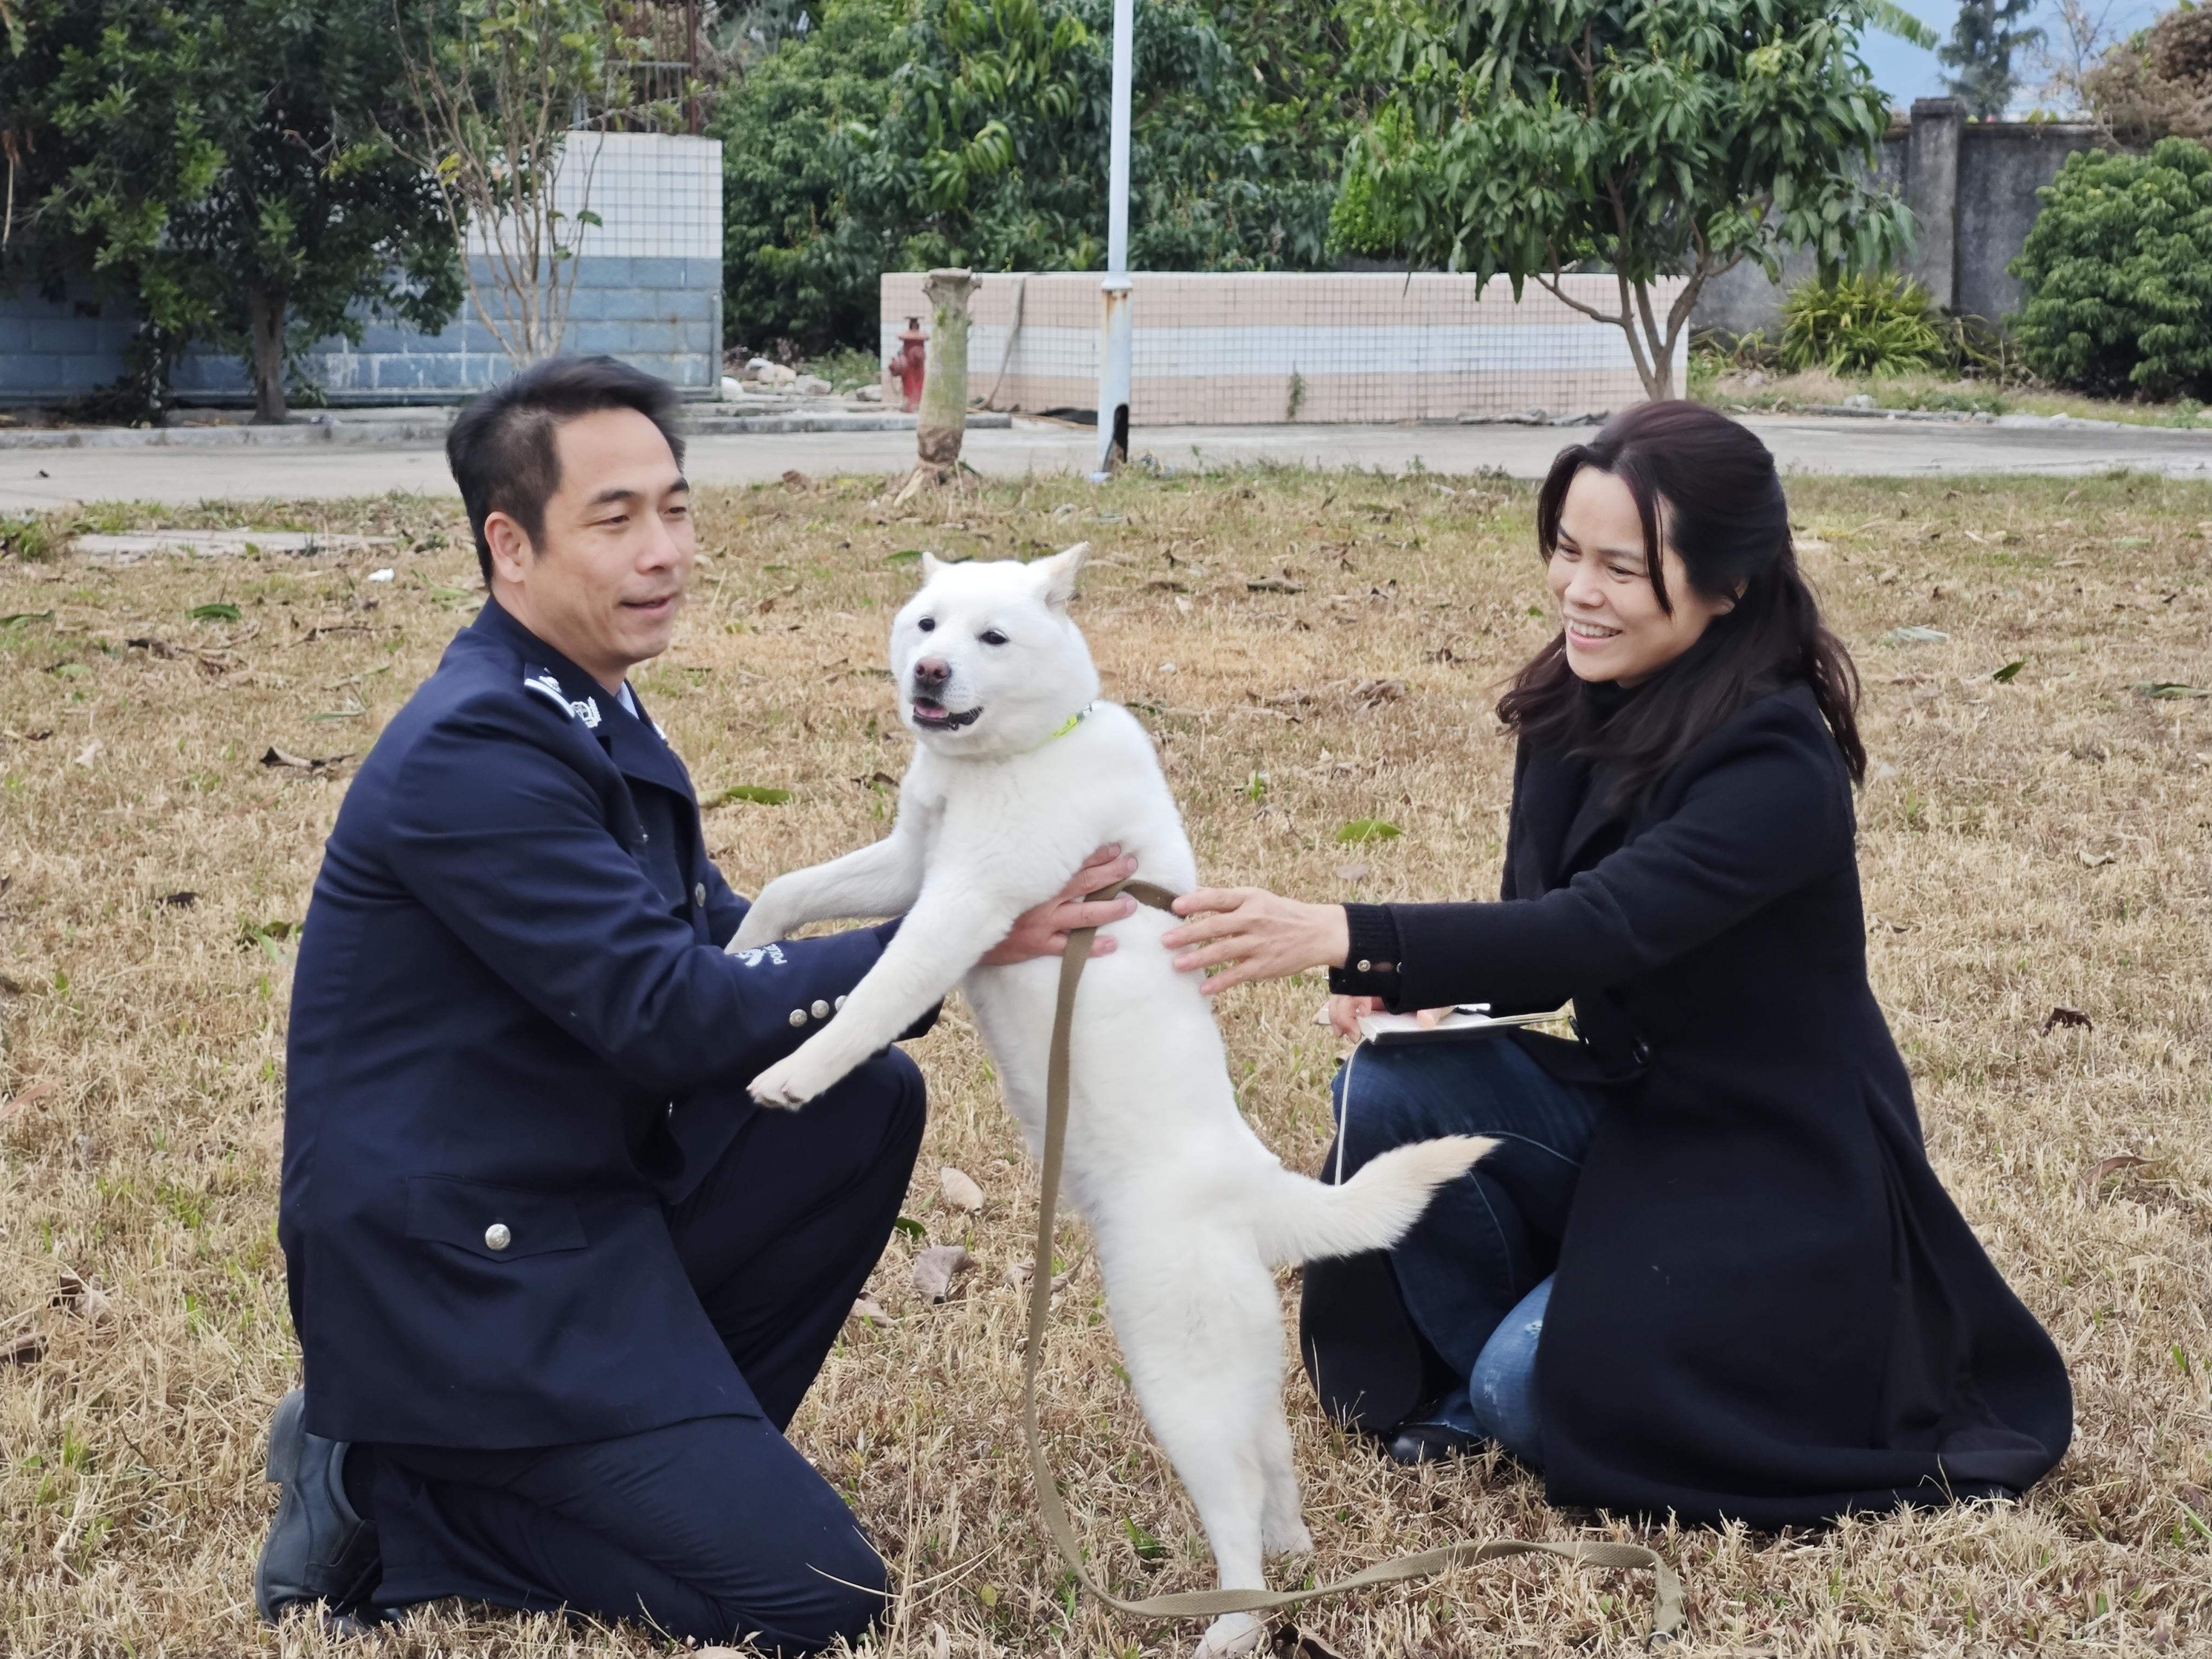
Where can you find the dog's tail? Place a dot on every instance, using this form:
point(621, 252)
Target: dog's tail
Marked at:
point(1298, 1219)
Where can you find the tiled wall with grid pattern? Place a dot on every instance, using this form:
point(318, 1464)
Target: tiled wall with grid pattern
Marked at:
point(648, 289)
point(1264, 348)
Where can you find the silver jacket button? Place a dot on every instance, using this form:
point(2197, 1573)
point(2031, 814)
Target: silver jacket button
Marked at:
point(1366, 967)
point(839, 1003)
point(699, 895)
point(820, 1009)
point(798, 1017)
point(497, 1237)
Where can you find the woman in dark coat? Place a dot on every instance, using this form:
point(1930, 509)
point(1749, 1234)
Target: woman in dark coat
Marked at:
point(1709, 1272)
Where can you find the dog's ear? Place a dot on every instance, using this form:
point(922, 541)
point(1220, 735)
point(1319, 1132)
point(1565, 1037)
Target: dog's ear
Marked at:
point(931, 564)
point(1056, 576)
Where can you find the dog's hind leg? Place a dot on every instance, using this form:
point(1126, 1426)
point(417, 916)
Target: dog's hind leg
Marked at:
point(1198, 1324)
point(1282, 1519)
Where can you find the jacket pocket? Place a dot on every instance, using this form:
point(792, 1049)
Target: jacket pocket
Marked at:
point(499, 1223)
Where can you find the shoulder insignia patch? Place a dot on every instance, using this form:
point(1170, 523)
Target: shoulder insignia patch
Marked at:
point(549, 688)
point(543, 682)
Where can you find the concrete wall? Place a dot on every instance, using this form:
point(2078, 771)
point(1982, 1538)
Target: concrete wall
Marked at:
point(1971, 186)
point(648, 289)
point(1244, 348)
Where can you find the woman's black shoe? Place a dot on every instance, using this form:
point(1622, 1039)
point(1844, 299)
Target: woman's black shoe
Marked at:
point(1431, 1442)
point(317, 1548)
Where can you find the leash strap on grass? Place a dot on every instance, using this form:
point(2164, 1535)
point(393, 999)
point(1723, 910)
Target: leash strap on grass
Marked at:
point(1667, 1611)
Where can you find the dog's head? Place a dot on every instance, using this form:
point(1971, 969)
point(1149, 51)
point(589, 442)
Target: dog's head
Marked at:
point(987, 661)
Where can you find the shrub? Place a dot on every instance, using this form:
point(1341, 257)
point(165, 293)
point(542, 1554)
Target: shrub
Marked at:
point(2118, 272)
point(1871, 324)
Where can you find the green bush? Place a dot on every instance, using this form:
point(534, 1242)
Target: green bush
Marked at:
point(2118, 274)
point(1871, 324)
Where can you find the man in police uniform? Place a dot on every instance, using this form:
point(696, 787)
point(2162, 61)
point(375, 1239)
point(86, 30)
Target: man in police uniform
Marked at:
point(559, 1284)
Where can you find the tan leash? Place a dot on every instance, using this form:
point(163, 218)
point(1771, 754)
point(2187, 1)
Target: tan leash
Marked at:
point(1666, 1610)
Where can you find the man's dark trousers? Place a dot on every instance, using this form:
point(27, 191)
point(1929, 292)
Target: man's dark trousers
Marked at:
point(714, 1529)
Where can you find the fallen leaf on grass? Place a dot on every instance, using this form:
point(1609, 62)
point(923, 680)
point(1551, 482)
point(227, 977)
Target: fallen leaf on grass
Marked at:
point(2165, 689)
point(936, 1267)
point(2094, 860)
point(222, 611)
point(1272, 585)
point(30, 1097)
point(2065, 1016)
point(794, 479)
point(2005, 675)
point(1360, 830)
point(1290, 1643)
point(180, 901)
point(2096, 1174)
point(18, 618)
point(959, 1189)
point(90, 752)
point(80, 1297)
point(866, 1307)
point(1351, 872)
point(24, 1347)
point(277, 756)
point(1914, 636)
point(758, 794)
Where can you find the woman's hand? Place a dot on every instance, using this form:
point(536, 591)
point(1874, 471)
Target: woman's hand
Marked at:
point(1042, 931)
point(1345, 1014)
point(1264, 935)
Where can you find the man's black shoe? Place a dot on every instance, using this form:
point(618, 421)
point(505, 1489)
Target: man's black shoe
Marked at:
point(317, 1548)
point(1431, 1442)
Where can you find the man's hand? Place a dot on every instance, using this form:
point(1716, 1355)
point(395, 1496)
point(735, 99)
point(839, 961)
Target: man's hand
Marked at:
point(1043, 931)
point(1264, 935)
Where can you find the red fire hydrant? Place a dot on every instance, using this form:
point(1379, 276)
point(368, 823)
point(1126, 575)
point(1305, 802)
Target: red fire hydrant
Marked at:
point(908, 364)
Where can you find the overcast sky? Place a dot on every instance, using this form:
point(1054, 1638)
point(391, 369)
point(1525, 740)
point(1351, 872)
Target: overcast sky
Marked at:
point(1906, 72)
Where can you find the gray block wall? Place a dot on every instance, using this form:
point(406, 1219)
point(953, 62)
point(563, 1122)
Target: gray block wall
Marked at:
point(1971, 186)
point(648, 289)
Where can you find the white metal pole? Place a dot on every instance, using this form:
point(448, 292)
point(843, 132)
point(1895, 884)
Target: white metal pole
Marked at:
point(1114, 341)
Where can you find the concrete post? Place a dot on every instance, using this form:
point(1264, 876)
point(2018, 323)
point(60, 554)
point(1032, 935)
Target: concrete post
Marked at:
point(942, 421)
point(1932, 190)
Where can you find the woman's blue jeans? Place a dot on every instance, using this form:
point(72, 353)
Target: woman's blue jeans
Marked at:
point(1475, 1270)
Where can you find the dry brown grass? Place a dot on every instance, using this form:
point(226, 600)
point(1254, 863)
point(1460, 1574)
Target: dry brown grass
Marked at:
point(2025, 845)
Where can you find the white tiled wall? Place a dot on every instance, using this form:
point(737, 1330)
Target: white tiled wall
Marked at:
point(657, 197)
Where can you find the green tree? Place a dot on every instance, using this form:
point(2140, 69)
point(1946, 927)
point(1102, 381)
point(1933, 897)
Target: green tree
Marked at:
point(221, 163)
point(1980, 51)
point(1647, 138)
point(897, 135)
point(494, 89)
point(2117, 270)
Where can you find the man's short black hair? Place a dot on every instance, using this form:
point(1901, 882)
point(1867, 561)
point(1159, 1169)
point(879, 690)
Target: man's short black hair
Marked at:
point(501, 449)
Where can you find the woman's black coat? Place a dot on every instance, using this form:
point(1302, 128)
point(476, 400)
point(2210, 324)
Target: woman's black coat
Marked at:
point(1767, 1308)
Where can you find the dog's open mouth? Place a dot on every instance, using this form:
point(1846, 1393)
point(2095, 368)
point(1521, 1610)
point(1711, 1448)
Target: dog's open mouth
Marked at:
point(933, 716)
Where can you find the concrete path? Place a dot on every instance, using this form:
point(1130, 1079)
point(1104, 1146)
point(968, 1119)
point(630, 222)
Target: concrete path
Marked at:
point(37, 480)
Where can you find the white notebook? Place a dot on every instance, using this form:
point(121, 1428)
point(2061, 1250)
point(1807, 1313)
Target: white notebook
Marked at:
point(1468, 1021)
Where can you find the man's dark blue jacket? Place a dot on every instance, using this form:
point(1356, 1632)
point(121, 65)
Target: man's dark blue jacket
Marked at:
point(514, 1038)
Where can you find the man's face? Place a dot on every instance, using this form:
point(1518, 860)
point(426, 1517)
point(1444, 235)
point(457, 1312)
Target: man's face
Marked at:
point(603, 582)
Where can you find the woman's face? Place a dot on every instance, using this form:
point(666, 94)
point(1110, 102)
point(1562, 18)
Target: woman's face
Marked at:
point(1616, 629)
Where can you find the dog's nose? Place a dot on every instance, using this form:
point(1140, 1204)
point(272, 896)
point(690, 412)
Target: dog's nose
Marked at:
point(931, 673)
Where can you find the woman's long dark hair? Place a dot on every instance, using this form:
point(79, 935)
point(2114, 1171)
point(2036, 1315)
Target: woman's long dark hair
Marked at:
point(1710, 488)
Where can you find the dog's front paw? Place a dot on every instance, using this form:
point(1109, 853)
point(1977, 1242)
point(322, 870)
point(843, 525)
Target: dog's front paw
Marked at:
point(798, 1077)
point(757, 929)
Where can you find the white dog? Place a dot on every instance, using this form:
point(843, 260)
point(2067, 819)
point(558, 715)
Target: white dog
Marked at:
point(1020, 773)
